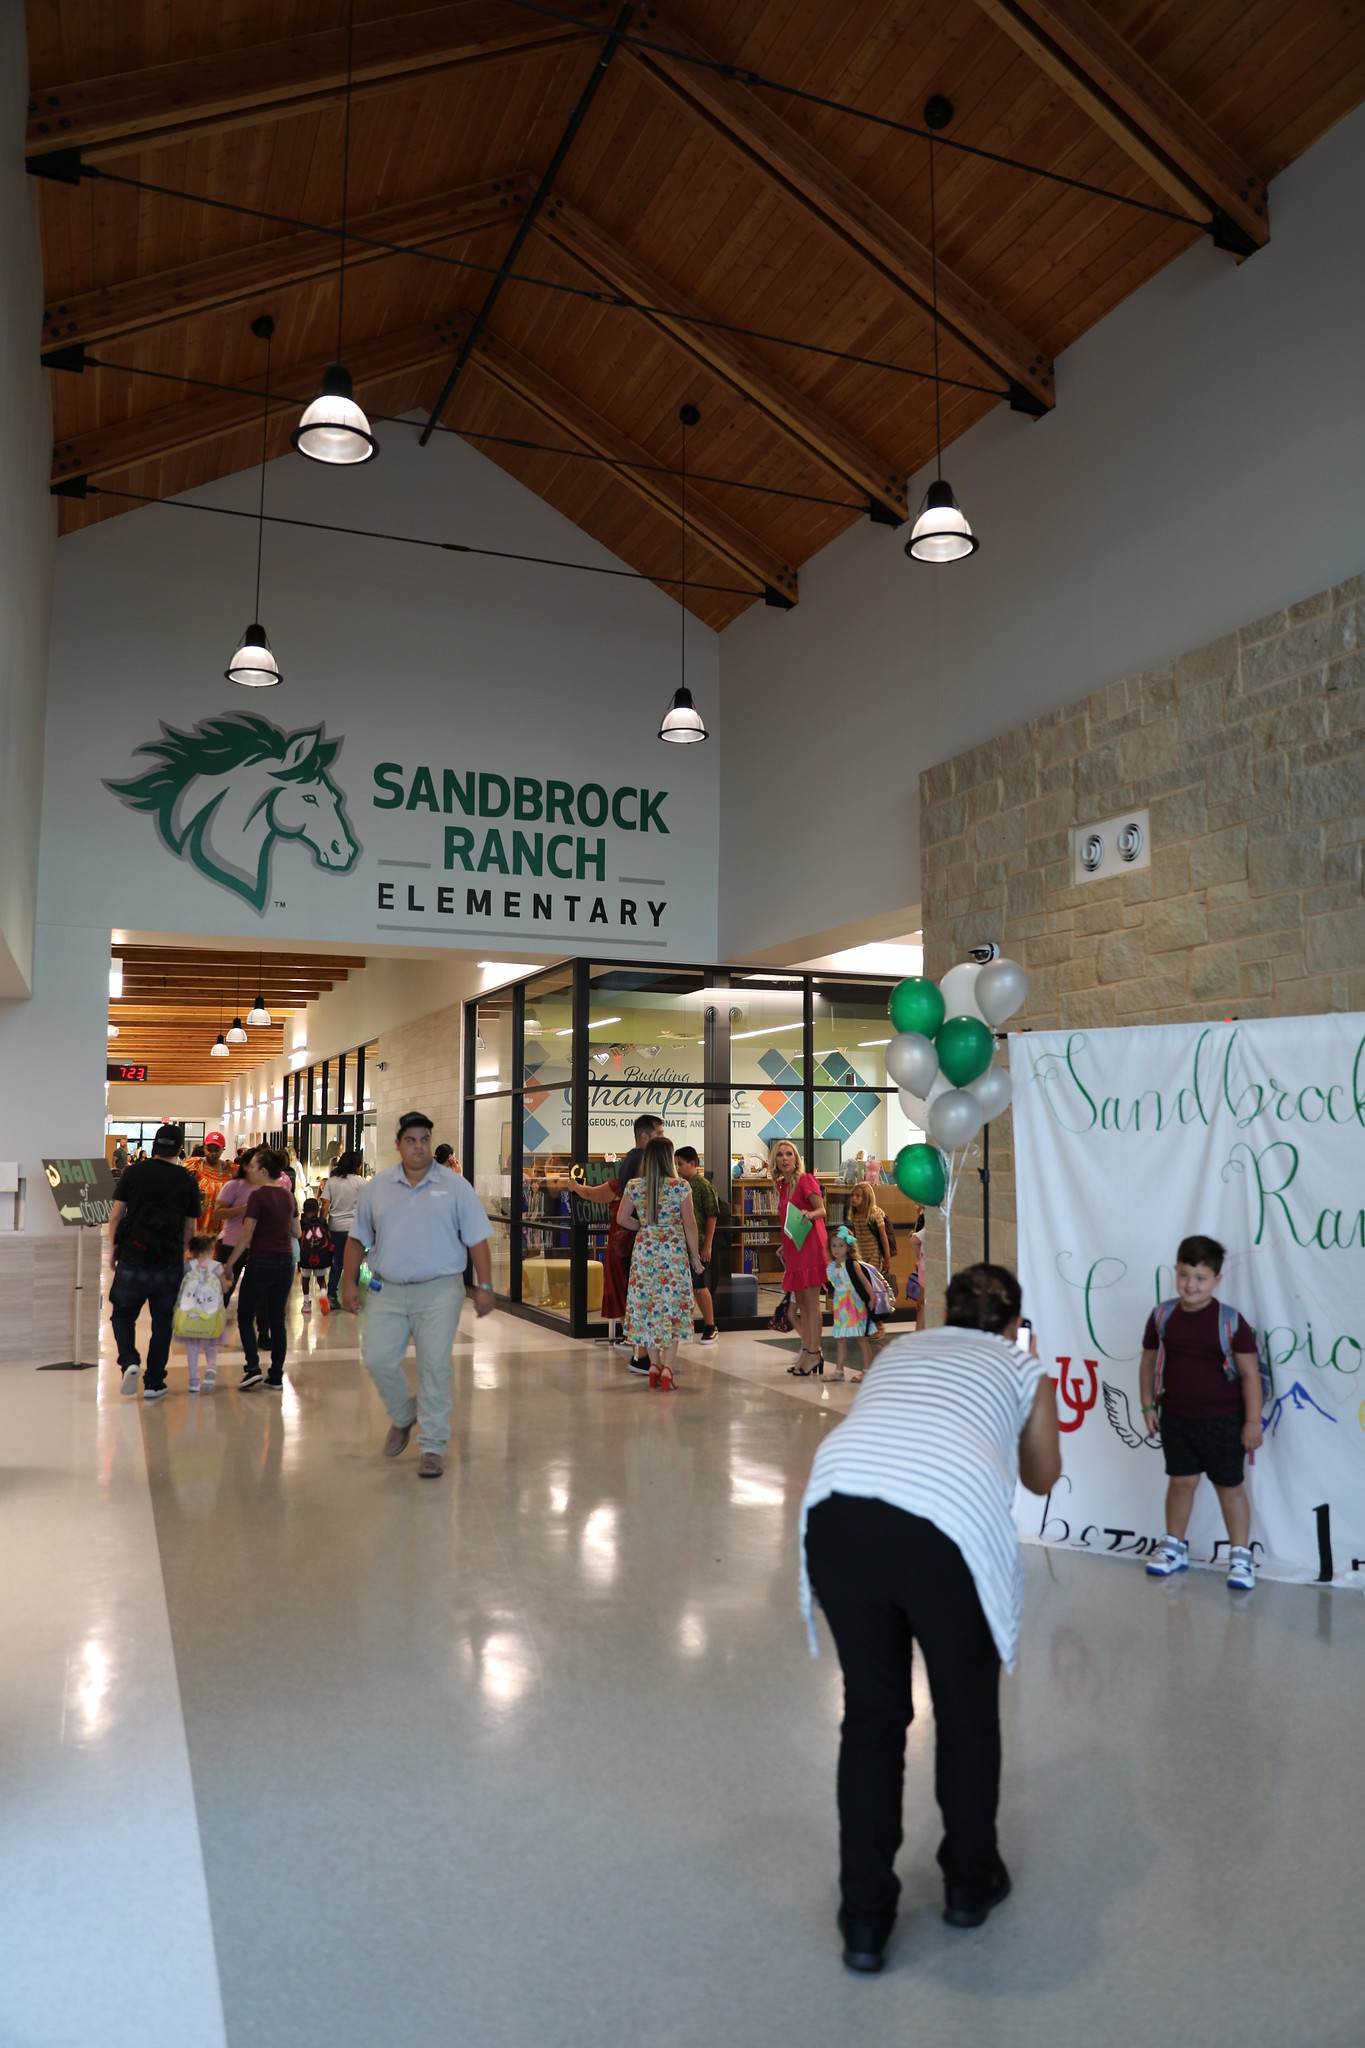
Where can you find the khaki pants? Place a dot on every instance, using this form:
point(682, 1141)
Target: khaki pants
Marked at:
point(428, 1311)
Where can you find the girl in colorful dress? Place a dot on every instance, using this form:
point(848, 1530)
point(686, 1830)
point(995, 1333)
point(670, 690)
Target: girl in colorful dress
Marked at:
point(852, 1310)
point(803, 1264)
point(658, 1207)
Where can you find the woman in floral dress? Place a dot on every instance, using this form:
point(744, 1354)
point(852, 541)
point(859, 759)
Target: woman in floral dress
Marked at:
point(658, 1206)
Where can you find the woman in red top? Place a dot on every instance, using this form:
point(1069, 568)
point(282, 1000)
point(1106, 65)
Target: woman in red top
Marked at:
point(803, 1267)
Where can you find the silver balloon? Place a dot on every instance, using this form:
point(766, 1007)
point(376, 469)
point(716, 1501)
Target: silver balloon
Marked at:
point(912, 1062)
point(955, 1119)
point(992, 1090)
point(915, 1108)
point(958, 989)
point(1001, 989)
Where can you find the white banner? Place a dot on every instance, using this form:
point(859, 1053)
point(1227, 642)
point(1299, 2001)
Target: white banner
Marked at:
point(1128, 1140)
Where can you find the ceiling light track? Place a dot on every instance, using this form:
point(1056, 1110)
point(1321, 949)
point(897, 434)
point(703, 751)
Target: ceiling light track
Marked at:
point(595, 295)
point(79, 359)
point(528, 219)
point(740, 74)
point(414, 540)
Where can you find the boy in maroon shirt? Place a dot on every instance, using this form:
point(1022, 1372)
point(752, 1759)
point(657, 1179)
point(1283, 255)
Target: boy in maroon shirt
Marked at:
point(1201, 1386)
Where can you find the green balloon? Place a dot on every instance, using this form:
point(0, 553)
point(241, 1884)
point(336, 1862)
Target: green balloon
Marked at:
point(965, 1048)
point(920, 1173)
point(917, 1005)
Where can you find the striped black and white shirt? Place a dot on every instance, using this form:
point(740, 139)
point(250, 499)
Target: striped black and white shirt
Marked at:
point(935, 1430)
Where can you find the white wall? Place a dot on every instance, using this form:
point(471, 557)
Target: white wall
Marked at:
point(28, 525)
point(404, 655)
point(1203, 467)
point(145, 1100)
point(52, 1061)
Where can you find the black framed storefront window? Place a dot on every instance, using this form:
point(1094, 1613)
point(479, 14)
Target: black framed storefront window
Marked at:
point(558, 1067)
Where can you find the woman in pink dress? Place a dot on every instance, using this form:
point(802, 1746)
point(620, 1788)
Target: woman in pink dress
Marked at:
point(803, 1267)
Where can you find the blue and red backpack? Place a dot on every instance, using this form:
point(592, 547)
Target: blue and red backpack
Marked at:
point(1228, 1319)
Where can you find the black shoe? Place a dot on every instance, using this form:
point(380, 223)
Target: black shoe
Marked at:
point(640, 1364)
point(250, 1379)
point(864, 1947)
point(274, 1385)
point(967, 1907)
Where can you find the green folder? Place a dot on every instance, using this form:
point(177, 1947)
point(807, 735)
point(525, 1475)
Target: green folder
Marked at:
point(796, 1225)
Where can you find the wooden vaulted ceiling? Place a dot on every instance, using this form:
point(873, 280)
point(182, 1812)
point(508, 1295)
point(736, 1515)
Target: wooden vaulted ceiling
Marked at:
point(176, 999)
point(710, 201)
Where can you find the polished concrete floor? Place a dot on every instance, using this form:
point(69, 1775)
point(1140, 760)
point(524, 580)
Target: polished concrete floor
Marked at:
point(297, 1750)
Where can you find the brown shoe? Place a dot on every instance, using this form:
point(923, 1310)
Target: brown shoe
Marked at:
point(430, 1465)
point(396, 1442)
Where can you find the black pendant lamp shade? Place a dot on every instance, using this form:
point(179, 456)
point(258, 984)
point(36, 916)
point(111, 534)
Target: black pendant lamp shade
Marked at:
point(253, 665)
point(258, 1017)
point(682, 724)
point(333, 429)
point(940, 532)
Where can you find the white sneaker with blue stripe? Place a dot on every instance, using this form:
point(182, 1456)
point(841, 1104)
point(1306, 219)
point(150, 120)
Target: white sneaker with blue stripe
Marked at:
point(1241, 1570)
point(1173, 1557)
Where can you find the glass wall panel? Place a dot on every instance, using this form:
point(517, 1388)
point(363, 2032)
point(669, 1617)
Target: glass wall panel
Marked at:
point(493, 1178)
point(750, 1228)
point(493, 1042)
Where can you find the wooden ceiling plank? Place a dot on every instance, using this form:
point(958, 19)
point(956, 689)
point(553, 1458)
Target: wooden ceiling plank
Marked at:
point(248, 274)
point(737, 113)
point(1125, 97)
point(105, 117)
point(549, 398)
point(784, 403)
point(109, 450)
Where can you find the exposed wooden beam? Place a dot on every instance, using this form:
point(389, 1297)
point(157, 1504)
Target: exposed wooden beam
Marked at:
point(724, 535)
point(107, 117)
point(248, 275)
point(123, 444)
point(748, 124)
point(800, 418)
point(1127, 99)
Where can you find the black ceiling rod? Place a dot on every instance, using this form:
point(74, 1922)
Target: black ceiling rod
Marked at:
point(542, 193)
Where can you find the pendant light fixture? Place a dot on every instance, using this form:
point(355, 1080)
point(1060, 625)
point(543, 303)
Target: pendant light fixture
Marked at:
point(682, 724)
point(258, 1017)
point(333, 428)
point(236, 1032)
point(220, 1050)
point(941, 532)
point(253, 665)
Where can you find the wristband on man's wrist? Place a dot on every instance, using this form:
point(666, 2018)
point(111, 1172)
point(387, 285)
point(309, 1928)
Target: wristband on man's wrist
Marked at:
point(1149, 1408)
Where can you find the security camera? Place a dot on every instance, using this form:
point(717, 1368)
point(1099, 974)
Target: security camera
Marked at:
point(981, 954)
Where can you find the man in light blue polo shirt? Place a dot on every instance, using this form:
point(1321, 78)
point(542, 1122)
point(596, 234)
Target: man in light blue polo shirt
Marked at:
point(420, 1225)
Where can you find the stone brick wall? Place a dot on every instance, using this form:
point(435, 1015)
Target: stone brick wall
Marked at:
point(421, 1071)
point(1249, 754)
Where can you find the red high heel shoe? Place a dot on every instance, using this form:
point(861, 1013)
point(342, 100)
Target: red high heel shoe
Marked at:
point(668, 1379)
point(653, 1374)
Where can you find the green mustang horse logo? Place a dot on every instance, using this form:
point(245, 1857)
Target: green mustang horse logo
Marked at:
point(224, 793)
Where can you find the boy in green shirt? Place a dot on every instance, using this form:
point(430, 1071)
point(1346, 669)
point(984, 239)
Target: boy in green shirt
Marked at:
point(706, 1209)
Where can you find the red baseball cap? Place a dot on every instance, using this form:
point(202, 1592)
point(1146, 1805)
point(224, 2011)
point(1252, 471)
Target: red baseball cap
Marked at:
point(215, 1138)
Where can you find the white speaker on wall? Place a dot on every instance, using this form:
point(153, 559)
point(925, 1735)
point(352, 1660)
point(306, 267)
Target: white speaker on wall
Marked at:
point(1116, 846)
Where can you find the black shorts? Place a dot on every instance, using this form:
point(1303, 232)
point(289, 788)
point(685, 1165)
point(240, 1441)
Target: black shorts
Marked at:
point(1204, 1443)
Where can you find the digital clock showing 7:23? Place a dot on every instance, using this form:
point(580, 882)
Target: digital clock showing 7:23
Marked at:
point(125, 1070)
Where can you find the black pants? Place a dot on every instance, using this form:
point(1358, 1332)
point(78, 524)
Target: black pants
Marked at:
point(339, 1238)
point(884, 1578)
point(159, 1287)
point(265, 1290)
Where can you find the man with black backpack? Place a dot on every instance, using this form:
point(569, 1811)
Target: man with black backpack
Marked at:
point(155, 1214)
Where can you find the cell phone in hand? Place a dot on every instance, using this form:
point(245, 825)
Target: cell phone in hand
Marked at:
point(1023, 1342)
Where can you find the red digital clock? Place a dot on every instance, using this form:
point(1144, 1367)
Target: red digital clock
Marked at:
point(124, 1070)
